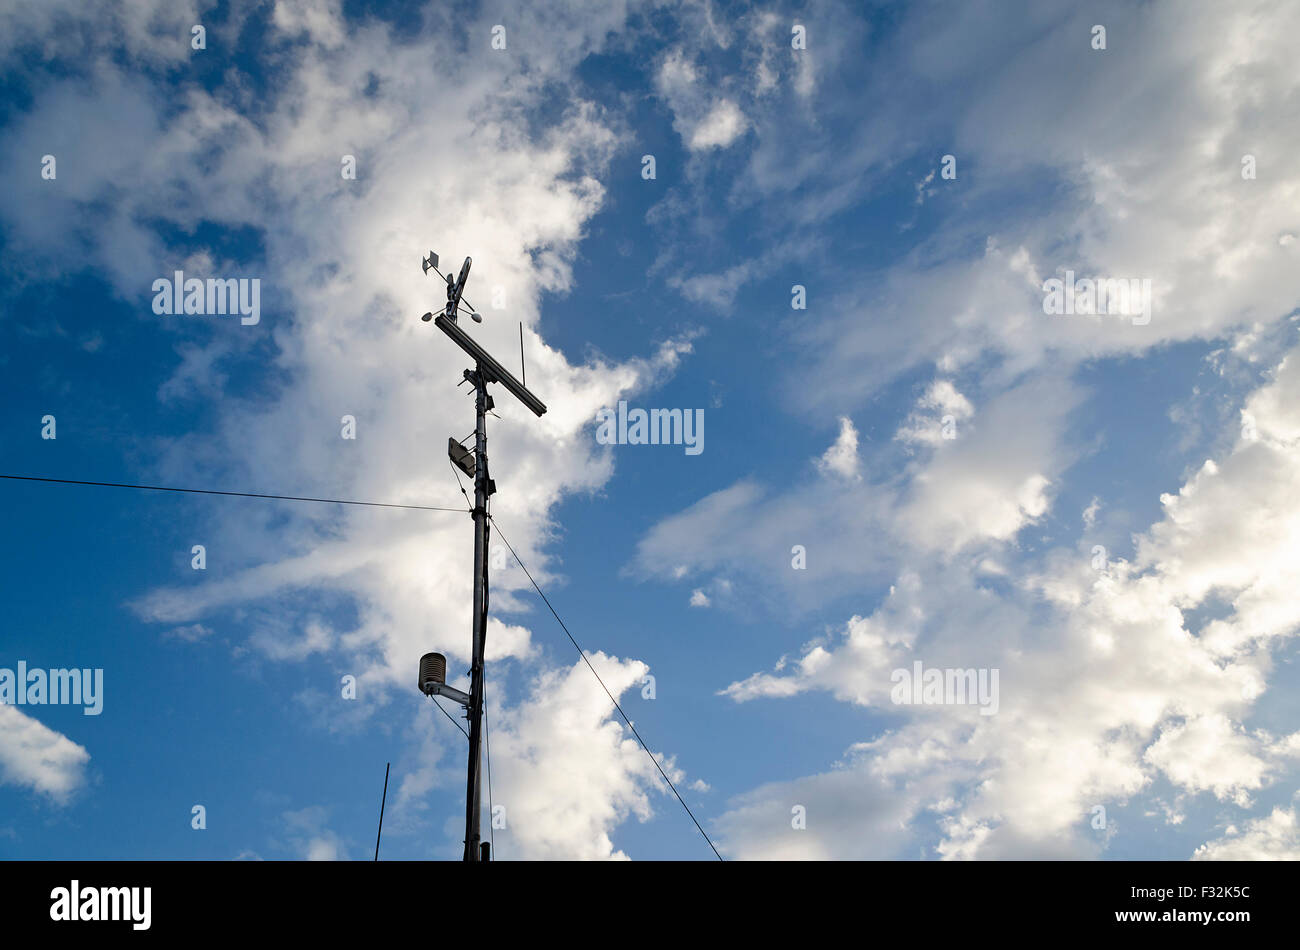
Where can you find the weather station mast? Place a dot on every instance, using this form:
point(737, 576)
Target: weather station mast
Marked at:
point(474, 463)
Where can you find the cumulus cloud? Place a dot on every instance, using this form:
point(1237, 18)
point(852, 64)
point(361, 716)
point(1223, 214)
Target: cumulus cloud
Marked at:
point(1108, 690)
point(703, 120)
point(153, 32)
point(936, 416)
point(1272, 838)
point(34, 756)
point(566, 775)
point(1210, 753)
point(990, 481)
point(841, 459)
point(721, 126)
point(993, 476)
point(1116, 679)
point(844, 814)
point(717, 290)
point(1145, 193)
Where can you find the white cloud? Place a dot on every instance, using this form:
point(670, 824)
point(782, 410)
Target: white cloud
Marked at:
point(1145, 193)
point(841, 458)
point(721, 126)
point(844, 813)
point(1210, 753)
point(566, 773)
point(857, 670)
point(717, 290)
point(746, 534)
point(987, 484)
point(941, 406)
point(1101, 693)
point(1272, 838)
point(156, 32)
point(993, 477)
point(190, 633)
point(703, 119)
point(320, 21)
point(34, 756)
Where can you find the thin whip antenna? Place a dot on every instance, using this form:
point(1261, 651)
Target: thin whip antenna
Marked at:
point(382, 802)
point(523, 373)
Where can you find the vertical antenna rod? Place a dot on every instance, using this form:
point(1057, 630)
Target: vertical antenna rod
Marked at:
point(382, 802)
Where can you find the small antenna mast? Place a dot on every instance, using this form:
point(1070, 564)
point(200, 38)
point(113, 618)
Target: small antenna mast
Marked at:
point(382, 802)
point(433, 666)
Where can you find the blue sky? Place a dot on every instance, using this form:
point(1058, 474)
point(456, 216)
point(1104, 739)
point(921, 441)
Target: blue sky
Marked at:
point(947, 454)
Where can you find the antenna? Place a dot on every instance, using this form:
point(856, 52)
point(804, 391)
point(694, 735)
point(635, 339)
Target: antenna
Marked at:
point(523, 373)
point(433, 666)
point(382, 802)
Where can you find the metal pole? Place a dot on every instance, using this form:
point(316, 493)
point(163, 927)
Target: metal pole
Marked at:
point(486, 369)
point(473, 789)
point(382, 802)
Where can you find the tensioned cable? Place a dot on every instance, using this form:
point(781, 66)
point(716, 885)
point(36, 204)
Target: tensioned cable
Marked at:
point(450, 716)
point(583, 654)
point(455, 471)
point(237, 494)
